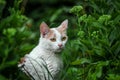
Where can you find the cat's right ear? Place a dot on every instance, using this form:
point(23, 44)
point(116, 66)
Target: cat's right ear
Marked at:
point(44, 29)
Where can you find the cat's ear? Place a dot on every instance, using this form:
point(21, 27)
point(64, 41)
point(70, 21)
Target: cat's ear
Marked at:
point(44, 29)
point(64, 25)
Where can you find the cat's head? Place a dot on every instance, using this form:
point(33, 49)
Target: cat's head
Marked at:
point(53, 39)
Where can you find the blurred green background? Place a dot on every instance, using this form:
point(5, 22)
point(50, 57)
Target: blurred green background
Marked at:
point(93, 48)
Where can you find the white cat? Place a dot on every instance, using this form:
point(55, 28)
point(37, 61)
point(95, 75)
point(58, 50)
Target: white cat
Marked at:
point(44, 61)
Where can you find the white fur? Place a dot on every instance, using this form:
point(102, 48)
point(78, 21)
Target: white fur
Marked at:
point(49, 51)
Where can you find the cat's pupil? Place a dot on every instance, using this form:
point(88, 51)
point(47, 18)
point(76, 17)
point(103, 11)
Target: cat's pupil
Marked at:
point(63, 38)
point(53, 39)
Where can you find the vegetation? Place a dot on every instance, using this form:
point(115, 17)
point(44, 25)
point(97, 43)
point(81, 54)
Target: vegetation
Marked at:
point(93, 49)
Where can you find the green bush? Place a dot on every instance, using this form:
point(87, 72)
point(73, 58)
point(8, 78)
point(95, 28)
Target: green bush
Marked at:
point(98, 47)
point(93, 48)
point(14, 31)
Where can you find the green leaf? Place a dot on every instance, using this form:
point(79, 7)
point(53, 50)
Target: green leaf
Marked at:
point(26, 47)
point(82, 18)
point(76, 10)
point(81, 61)
point(8, 64)
point(104, 18)
point(116, 48)
point(113, 77)
point(98, 50)
point(3, 78)
point(2, 5)
point(81, 34)
point(55, 15)
point(99, 71)
point(9, 32)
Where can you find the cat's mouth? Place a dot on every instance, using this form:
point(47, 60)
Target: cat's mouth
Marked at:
point(60, 49)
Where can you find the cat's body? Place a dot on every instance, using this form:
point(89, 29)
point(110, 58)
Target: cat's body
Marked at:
point(46, 57)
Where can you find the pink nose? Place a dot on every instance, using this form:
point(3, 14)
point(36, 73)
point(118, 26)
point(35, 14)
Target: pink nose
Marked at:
point(60, 45)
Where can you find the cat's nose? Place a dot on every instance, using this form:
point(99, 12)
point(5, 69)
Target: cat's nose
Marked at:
point(60, 45)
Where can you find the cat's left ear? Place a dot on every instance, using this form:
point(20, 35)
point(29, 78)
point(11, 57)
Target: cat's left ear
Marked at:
point(44, 29)
point(64, 25)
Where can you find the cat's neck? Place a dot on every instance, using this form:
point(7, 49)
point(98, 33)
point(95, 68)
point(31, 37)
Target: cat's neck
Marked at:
point(47, 50)
point(44, 46)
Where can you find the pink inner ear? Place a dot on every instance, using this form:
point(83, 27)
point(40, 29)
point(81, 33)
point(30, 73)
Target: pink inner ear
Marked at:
point(63, 26)
point(44, 29)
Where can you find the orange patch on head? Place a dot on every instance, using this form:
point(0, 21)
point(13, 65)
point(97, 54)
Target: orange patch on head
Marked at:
point(50, 34)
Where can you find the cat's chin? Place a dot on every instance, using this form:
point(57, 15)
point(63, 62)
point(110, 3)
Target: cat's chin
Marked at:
point(59, 50)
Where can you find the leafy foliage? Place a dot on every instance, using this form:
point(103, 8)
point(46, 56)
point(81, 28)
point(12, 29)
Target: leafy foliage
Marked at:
point(93, 49)
point(98, 41)
point(14, 33)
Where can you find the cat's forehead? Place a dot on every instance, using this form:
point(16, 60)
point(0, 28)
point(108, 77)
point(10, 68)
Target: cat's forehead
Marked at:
point(54, 32)
point(50, 34)
point(57, 31)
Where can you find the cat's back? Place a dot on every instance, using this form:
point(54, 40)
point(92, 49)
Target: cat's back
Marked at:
point(36, 52)
point(49, 57)
point(52, 60)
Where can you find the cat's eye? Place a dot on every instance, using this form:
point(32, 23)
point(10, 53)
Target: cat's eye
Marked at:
point(63, 38)
point(53, 39)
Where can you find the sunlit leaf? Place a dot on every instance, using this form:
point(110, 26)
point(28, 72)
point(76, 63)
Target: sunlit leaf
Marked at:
point(81, 61)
